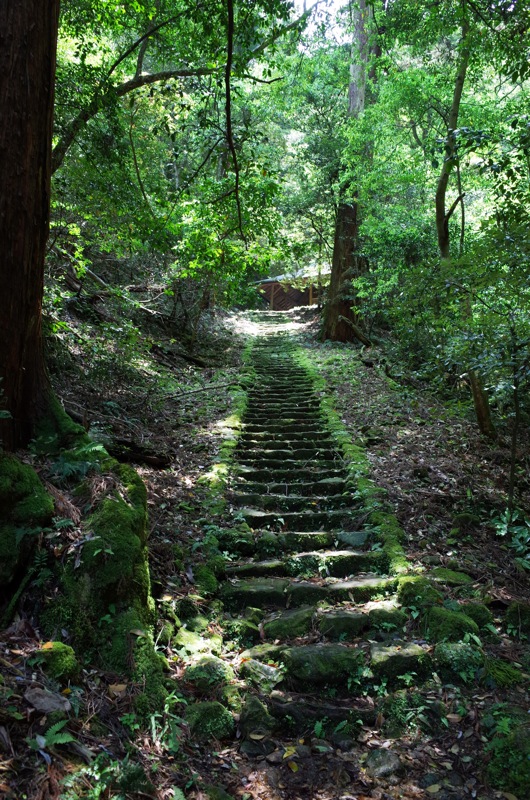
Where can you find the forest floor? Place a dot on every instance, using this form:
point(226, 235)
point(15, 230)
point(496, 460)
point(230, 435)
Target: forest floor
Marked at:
point(435, 467)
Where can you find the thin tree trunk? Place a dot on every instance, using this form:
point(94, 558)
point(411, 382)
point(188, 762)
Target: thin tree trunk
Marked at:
point(28, 39)
point(442, 218)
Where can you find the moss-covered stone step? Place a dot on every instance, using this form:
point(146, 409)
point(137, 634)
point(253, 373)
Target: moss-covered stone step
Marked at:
point(341, 624)
point(276, 438)
point(336, 624)
point(279, 502)
point(282, 394)
point(259, 410)
point(292, 488)
point(322, 665)
point(290, 624)
point(284, 592)
point(399, 659)
point(294, 453)
point(297, 520)
point(286, 425)
point(287, 474)
point(284, 440)
point(335, 563)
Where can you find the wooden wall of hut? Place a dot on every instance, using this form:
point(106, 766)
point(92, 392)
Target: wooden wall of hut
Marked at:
point(281, 298)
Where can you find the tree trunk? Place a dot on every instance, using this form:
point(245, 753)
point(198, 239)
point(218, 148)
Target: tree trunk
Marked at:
point(340, 323)
point(442, 218)
point(28, 39)
point(480, 398)
point(339, 311)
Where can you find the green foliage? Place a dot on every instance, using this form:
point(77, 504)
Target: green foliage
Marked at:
point(53, 736)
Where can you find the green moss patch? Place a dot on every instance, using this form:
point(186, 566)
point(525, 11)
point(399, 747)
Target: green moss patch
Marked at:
point(25, 507)
point(449, 626)
point(449, 577)
point(208, 673)
point(415, 591)
point(59, 661)
point(209, 720)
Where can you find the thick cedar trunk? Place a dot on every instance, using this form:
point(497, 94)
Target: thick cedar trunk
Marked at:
point(28, 39)
point(340, 322)
point(339, 313)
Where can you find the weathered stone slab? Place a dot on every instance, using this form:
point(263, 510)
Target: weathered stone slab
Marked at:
point(342, 624)
point(322, 664)
point(254, 592)
point(406, 657)
point(289, 624)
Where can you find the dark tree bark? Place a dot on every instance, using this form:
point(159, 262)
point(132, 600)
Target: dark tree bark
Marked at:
point(28, 42)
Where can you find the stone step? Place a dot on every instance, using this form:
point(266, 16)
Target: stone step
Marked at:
point(304, 710)
point(294, 449)
point(297, 520)
point(282, 502)
point(279, 439)
point(285, 426)
point(334, 563)
point(272, 544)
point(283, 473)
point(337, 624)
point(268, 592)
point(288, 488)
point(273, 463)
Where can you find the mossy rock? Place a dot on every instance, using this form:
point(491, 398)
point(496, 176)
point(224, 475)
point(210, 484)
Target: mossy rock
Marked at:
point(342, 624)
point(415, 591)
point(449, 626)
point(239, 539)
point(399, 659)
point(449, 577)
point(328, 665)
point(264, 676)
point(188, 607)
point(255, 719)
point(205, 580)
point(208, 673)
point(24, 506)
point(268, 544)
point(209, 720)
point(289, 624)
point(479, 613)
point(387, 617)
point(518, 617)
point(458, 661)
point(193, 644)
point(59, 661)
point(240, 632)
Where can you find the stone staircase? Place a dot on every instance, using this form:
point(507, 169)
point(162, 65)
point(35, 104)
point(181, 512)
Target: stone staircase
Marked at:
point(316, 588)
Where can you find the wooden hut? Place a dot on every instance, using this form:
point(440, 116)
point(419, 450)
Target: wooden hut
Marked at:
point(302, 288)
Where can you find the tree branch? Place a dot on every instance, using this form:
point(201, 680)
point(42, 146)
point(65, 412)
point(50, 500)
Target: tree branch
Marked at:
point(99, 101)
